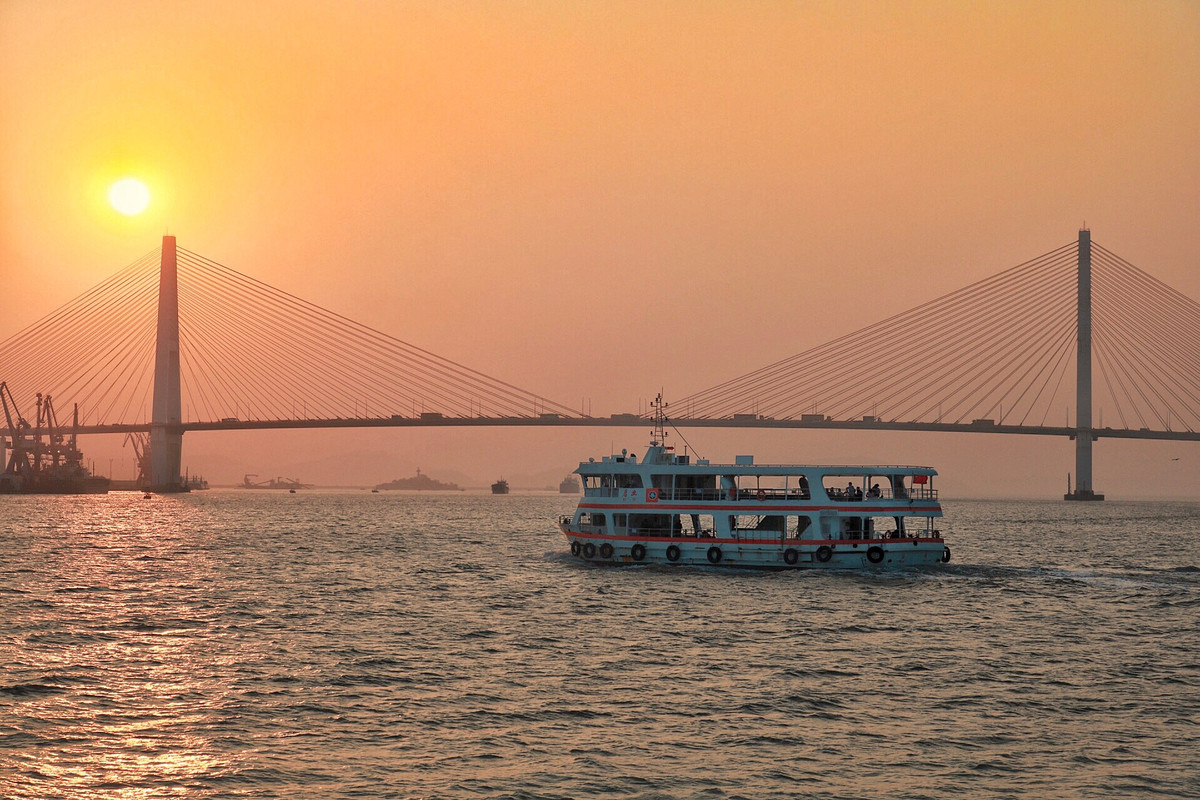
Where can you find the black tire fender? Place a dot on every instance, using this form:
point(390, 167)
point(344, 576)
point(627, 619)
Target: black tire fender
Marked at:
point(637, 552)
point(824, 553)
point(791, 556)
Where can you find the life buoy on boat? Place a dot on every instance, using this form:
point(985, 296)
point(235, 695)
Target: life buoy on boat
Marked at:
point(606, 550)
point(945, 555)
point(589, 550)
point(824, 553)
point(875, 554)
point(637, 552)
point(574, 547)
point(714, 555)
point(762, 495)
point(673, 553)
point(791, 556)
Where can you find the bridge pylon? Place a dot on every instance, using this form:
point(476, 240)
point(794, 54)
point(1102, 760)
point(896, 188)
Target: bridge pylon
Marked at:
point(166, 435)
point(1083, 378)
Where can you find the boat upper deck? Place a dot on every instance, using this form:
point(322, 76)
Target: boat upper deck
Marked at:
point(662, 459)
point(676, 477)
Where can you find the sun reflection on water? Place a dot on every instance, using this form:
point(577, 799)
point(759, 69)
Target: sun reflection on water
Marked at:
point(121, 698)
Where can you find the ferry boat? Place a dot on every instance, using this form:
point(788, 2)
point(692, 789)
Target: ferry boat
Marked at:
point(668, 509)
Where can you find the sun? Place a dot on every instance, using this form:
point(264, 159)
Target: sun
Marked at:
point(129, 196)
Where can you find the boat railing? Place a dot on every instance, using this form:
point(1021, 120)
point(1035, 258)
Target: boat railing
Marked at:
point(774, 494)
point(759, 495)
point(603, 491)
point(915, 493)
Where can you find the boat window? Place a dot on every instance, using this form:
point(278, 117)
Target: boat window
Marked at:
point(797, 525)
point(592, 519)
point(770, 485)
point(628, 481)
point(776, 487)
point(652, 524)
point(620, 521)
point(744, 522)
point(598, 485)
point(770, 523)
point(847, 488)
point(856, 527)
point(888, 527)
point(696, 487)
point(696, 524)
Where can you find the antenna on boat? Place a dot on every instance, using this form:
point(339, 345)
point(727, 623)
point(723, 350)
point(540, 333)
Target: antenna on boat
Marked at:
point(660, 422)
point(659, 434)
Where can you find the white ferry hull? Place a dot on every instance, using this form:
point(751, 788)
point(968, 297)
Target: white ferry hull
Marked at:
point(667, 509)
point(734, 553)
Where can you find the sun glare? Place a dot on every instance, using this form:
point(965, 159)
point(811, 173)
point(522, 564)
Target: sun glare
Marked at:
point(129, 196)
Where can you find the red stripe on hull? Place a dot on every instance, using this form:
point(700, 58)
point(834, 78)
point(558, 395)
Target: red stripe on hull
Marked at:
point(789, 543)
point(882, 511)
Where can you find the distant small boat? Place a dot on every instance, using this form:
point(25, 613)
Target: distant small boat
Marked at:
point(500, 487)
point(568, 486)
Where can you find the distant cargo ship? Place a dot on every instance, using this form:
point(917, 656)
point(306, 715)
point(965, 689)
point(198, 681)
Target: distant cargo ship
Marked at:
point(420, 483)
point(63, 480)
point(500, 487)
point(568, 486)
point(273, 483)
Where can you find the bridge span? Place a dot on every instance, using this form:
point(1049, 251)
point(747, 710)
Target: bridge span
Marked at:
point(624, 421)
point(1078, 330)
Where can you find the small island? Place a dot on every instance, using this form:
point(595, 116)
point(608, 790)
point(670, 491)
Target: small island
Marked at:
point(421, 483)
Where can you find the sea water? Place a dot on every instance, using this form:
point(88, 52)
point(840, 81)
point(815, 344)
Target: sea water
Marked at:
point(347, 644)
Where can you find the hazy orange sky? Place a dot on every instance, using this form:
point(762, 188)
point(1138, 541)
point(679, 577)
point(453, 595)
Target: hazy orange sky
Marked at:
point(595, 200)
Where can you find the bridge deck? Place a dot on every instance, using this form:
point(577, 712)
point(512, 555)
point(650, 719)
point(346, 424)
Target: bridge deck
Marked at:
point(624, 421)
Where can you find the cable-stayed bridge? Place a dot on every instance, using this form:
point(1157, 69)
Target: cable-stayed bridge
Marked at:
point(176, 342)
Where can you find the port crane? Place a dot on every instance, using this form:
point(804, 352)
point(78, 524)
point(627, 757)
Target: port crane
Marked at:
point(51, 464)
point(141, 450)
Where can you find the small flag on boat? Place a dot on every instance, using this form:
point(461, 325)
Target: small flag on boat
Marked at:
point(920, 479)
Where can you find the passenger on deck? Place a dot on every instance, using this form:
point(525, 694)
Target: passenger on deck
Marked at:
point(849, 491)
point(875, 491)
point(858, 494)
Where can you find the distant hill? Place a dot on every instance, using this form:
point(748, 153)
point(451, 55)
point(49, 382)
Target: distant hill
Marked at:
point(419, 482)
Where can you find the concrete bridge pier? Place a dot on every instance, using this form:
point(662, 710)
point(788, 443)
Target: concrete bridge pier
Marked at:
point(1083, 382)
point(166, 435)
